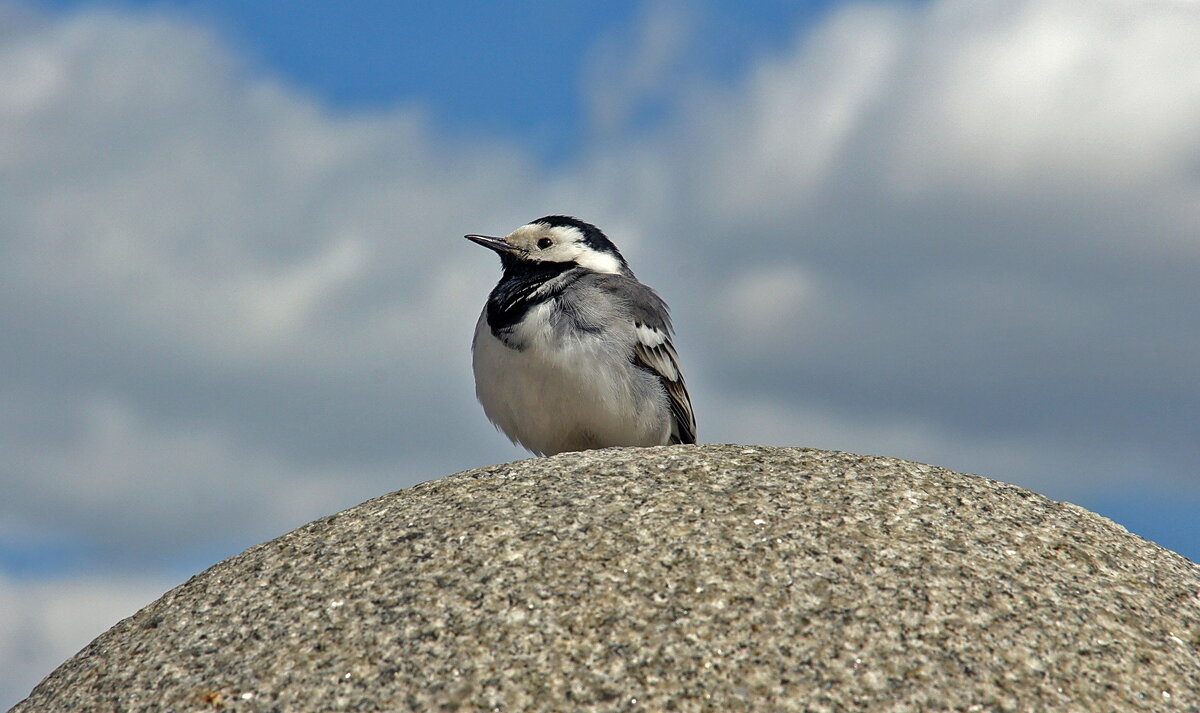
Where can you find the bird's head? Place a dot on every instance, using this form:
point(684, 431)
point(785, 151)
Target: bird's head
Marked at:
point(556, 239)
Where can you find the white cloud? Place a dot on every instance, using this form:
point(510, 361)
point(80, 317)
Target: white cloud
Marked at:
point(772, 143)
point(222, 304)
point(44, 622)
point(999, 203)
point(626, 72)
point(1055, 94)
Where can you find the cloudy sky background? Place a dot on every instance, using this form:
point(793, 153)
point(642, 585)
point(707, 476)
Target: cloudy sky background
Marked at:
point(234, 296)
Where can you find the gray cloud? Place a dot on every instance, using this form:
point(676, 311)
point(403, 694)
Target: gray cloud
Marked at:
point(974, 222)
point(991, 213)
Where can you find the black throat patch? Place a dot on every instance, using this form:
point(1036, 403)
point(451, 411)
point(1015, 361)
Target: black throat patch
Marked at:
point(513, 296)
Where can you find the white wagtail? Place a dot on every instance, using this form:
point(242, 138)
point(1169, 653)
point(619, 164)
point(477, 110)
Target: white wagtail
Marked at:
point(571, 351)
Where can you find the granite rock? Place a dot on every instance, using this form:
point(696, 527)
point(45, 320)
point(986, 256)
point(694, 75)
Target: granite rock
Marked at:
point(683, 578)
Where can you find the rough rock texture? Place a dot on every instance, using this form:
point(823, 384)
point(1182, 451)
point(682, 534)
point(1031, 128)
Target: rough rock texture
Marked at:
point(712, 578)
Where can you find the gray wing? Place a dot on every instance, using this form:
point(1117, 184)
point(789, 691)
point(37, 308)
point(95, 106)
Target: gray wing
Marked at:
point(654, 350)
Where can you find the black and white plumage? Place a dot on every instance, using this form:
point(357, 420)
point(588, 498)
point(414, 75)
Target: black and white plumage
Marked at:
point(571, 351)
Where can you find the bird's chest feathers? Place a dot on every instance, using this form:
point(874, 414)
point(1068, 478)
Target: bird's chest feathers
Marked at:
point(552, 330)
point(537, 315)
point(535, 330)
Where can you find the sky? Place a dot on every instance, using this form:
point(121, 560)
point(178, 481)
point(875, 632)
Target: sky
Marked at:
point(235, 296)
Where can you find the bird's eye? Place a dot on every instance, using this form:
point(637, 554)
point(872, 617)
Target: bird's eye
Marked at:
point(545, 243)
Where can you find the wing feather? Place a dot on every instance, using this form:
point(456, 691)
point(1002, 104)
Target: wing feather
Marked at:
point(655, 352)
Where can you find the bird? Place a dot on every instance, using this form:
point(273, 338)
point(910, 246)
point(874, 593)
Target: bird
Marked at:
point(571, 351)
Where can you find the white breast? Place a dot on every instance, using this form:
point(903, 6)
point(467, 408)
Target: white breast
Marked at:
point(560, 395)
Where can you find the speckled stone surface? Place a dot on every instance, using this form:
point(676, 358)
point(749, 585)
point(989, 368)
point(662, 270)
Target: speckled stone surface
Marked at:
point(711, 578)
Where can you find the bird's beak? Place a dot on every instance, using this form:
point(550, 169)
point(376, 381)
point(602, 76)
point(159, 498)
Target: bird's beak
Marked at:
point(496, 244)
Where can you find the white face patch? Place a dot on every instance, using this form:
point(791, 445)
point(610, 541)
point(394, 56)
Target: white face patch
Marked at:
point(565, 244)
point(597, 261)
point(562, 234)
